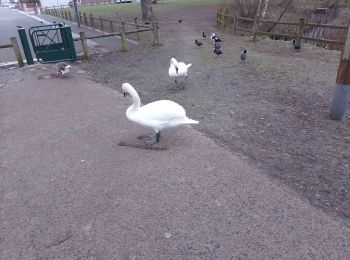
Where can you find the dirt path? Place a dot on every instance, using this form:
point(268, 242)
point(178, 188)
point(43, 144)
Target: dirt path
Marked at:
point(271, 110)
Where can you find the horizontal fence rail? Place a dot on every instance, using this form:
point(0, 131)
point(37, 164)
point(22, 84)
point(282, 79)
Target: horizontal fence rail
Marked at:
point(121, 34)
point(222, 19)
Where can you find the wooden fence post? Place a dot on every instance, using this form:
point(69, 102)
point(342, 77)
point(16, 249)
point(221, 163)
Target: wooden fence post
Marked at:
point(300, 31)
point(111, 26)
point(84, 44)
point(101, 22)
point(235, 22)
point(341, 95)
point(92, 22)
point(156, 32)
point(17, 51)
point(137, 28)
point(123, 37)
point(255, 28)
point(225, 16)
point(218, 20)
point(85, 19)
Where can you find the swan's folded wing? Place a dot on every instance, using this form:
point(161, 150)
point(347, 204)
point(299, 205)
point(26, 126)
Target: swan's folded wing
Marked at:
point(162, 110)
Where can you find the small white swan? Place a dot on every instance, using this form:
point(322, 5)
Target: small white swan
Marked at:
point(178, 69)
point(157, 115)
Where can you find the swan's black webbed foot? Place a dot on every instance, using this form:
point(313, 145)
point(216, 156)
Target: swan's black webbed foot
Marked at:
point(153, 138)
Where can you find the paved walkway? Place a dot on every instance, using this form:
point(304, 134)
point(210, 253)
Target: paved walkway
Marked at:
point(69, 191)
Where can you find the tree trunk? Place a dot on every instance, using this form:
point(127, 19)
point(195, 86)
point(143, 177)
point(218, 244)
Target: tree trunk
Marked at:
point(147, 10)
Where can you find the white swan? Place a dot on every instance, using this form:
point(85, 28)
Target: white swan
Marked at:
point(178, 69)
point(156, 115)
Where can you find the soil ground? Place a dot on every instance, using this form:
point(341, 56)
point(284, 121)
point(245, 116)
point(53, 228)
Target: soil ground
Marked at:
point(272, 109)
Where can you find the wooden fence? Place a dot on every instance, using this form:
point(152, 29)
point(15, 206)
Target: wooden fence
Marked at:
point(98, 22)
point(223, 21)
point(122, 34)
point(103, 24)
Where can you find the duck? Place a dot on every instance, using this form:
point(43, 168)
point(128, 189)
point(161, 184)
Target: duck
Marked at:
point(157, 115)
point(63, 68)
point(217, 51)
point(296, 45)
point(244, 55)
point(198, 43)
point(178, 69)
point(217, 45)
point(215, 38)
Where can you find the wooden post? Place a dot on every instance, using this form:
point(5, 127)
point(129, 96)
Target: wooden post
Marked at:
point(235, 22)
point(85, 19)
point(137, 28)
point(101, 22)
point(255, 28)
point(341, 95)
point(92, 22)
point(17, 51)
point(70, 15)
point(156, 32)
point(123, 37)
point(300, 31)
point(217, 20)
point(225, 18)
point(84, 44)
point(111, 26)
point(80, 17)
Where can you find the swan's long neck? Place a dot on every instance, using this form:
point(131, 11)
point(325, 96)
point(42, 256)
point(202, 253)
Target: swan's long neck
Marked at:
point(136, 101)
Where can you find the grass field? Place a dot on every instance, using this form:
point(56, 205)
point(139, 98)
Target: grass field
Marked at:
point(134, 9)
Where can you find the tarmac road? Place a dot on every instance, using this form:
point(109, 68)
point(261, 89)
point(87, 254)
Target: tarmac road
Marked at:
point(69, 191)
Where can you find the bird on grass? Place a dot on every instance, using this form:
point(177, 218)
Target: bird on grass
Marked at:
point(217, 51)
point(178, 69)
point(296, 45)
point(63, 68)
point(198, 43)
point(244, 55)
point(204, 35)
point(215, 38)
point(157, 115)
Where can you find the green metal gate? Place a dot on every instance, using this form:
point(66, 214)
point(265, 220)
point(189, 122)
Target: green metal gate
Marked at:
point(52, 43)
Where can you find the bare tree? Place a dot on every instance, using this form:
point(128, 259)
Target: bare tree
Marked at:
point(147, 10)
point(288, 4)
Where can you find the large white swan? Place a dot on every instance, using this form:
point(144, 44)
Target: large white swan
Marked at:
point(156, 115)
point(178, 69)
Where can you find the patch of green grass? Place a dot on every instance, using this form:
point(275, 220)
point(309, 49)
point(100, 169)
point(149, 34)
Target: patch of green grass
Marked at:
point(134, 9)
